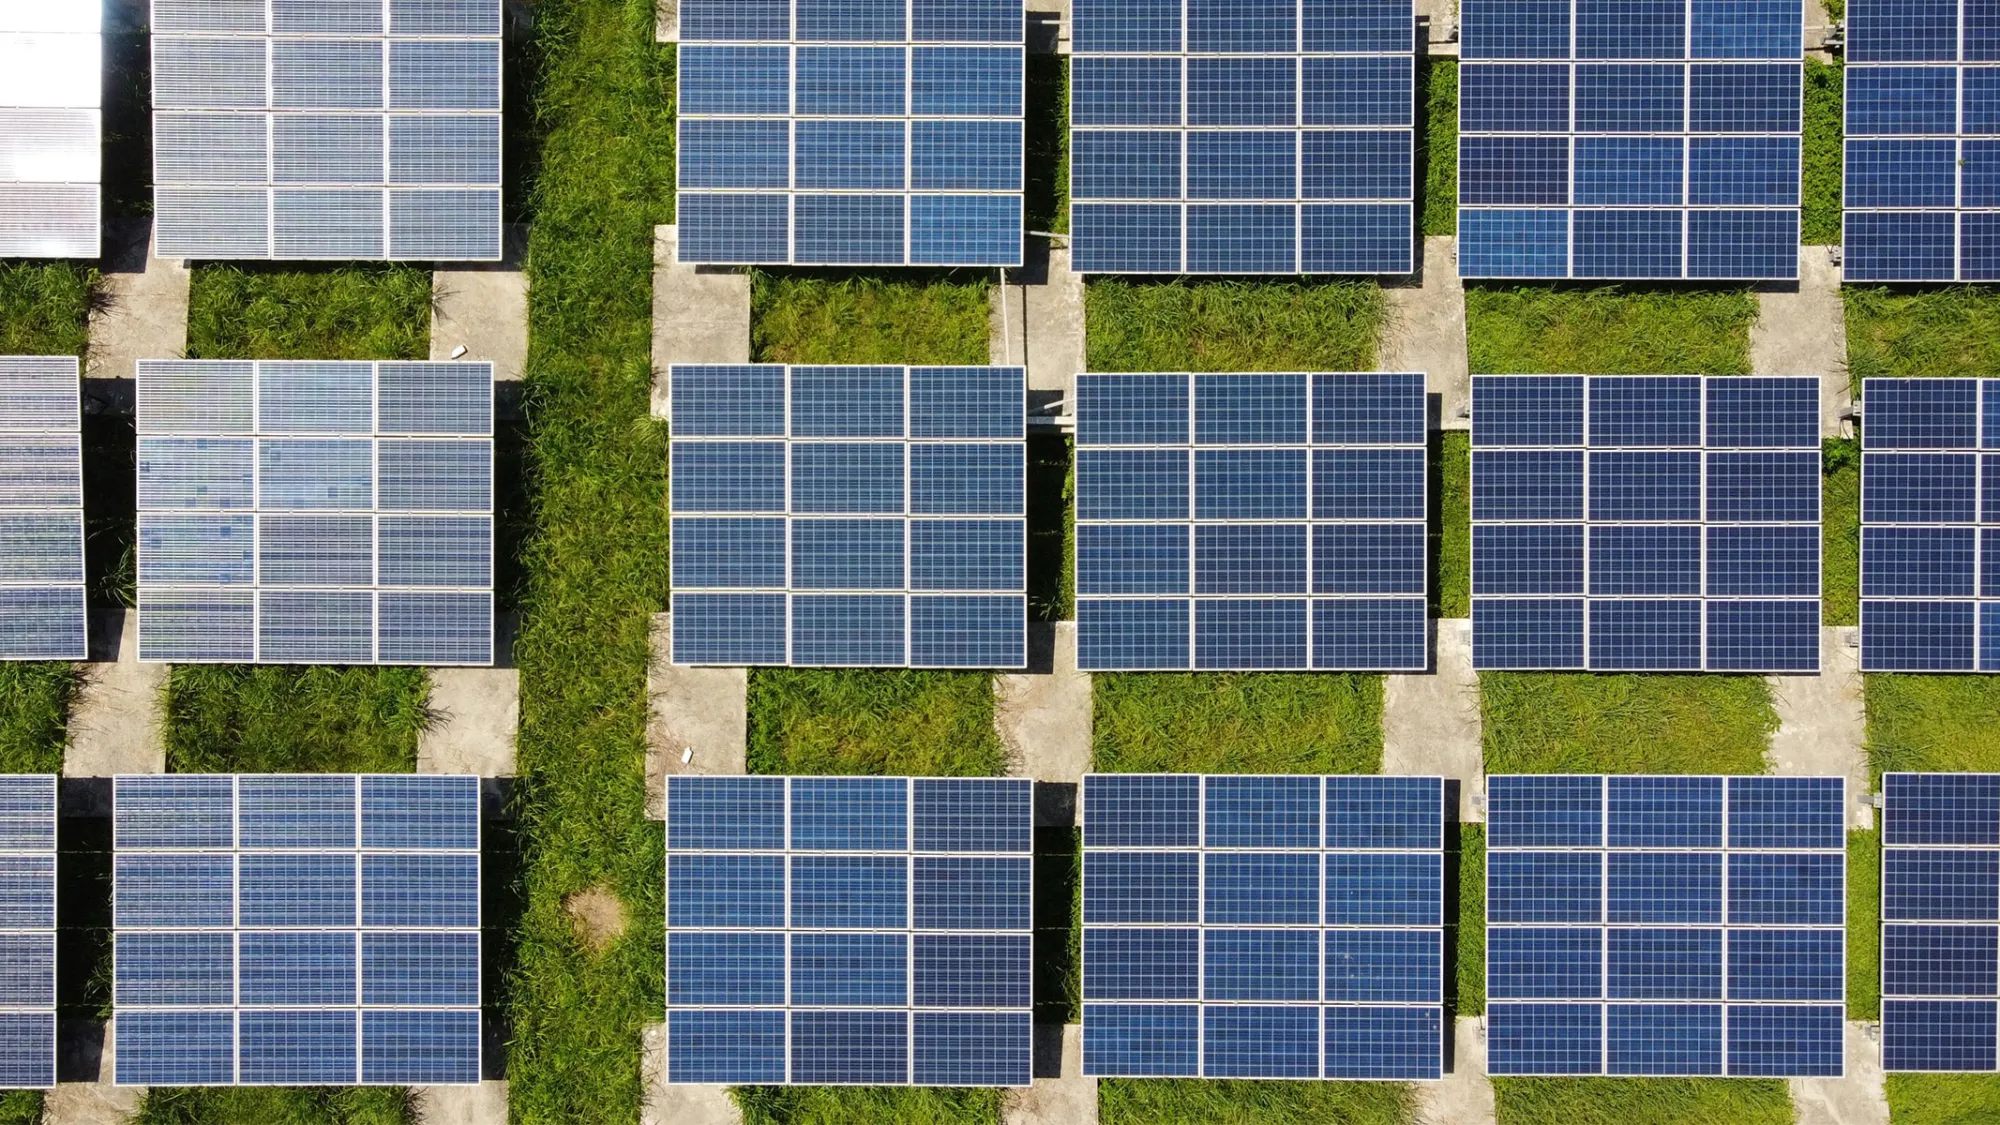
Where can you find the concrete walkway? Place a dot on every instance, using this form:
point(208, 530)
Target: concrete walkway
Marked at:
point(484, 1104)
point(1062, 1094)
point(1426, 332)
point(1855, 1099)
point(1044, 714)
point(669, 1104)
point(115, 723)
point(1430, 722)
point(1821, 724)
point(1036, 321)
point(484, 309)
point(701, 314)
point(143, 307)
point(1803, 331)
point(705, 711)
point(84, 1093)
point(1465, 1096)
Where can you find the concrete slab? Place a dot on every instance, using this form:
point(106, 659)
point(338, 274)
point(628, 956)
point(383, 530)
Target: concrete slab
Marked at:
point(484, 309)
point(1465, 1096)
point(667, 21)
point(478, 715)
point(1043, 714)
point(83, 1094)
point(142, 308)
point(115, 723)
point(1036, 320)
point(1857, 1098)
point(484, 1104)
point(1821, 723)
point(1061, 1094)
point(1440, 18)
point(1802, 330)
point(1430, 722)
point(704, 710)
point(701, 314)
point(674, 1104)
point(1426, 332)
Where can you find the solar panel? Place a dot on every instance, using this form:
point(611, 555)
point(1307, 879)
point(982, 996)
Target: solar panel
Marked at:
point(41, 510)
point(849, 516)
point(1222, 137)
point(1645, 523)
point(315, 513)
point(51, 78)
point(28, 931)
point(820, 134)
point(351, 132)
point(1263, 927)
point(290, 930)
point(849, 930)
point(1665, 926)
point(1930, 599)
point(1922, 170)
point(1240, 521)
point(1633, 140)
point(1940, 921)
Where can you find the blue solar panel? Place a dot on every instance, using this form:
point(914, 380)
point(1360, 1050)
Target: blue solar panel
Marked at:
point(856, 135)
point(849, 516)
point(1240, 521)
point(41, 510)
point(1262, 926)
point(1668, 926)
point(297, 930)
point(28, 931)
point(1941, 921)
point(1261, 138)
point(1636, 141)
point(1645, 523)
point(849, 930)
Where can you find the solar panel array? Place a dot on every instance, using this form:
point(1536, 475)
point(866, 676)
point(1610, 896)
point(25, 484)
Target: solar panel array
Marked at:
point(315, 512)
point(28, 931)
point(350, 131)
point(1630, 138)
point(1930, 525)
point(41, 510)
point(872, 133)
point(1263, 927)
point(1665, 926)
point(1246, 521)
point(51, 83)
point(1242, 136)
point(1940, 921)
point(295, 930)
point(850, 930)
point(1923, 142)
point(1645, 523)
point(856, 516)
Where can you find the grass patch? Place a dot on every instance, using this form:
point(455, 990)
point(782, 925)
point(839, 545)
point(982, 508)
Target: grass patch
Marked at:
point(1451, 532)
point(1943, 1099)
point(867, 1105)
point(1840, 531)
point(1188, 1101)
point(1438, 122)
point(326, 312)
point(1237, 722)
point(1642, 1101)
point(1470, 945)
point(34, 716)
point(1232, 325)
point(1565, 722)
point(812, 316)
point(288, 718)
point(891, 721)
point(1933, 724)
point(1864, 925)
point(1608, 330)
point(1820, 154)
point(45, 308)
point(277, 1105)
point(1926, 332)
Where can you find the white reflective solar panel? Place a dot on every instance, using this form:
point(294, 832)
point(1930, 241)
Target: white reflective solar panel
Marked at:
point(299, 512)
point(41, 510)
point(51, 74)
point(364, 132)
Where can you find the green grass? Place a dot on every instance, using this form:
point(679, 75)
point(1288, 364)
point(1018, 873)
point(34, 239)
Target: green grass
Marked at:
point(1190, 1101)
point(1439, 159)
point(868, 1105)
point(34, 715)
point(1237, 722)
point(1470, 980)
point(1864, 925)
point(1840, 521)
point(596, 562)
point(1642, 1101)
point(1944, 1099)
point(1452, 533)
point(1954, 331)
point(1941, 724)
point(827, 317)
point(242, 718)
point(45, 307)
point(1232, 325)
point(1820, 156)
point(279, 1105)
point(1540, 722)
point(873, 721)
point(1046, 144)
point(1608, 330)
point(326, 312)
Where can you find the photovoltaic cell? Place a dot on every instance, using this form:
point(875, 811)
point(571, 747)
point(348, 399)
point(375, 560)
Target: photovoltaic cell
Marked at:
point(51, 81)
point(303, 512)
point(1665, 926)
point(27, 931)
point(296, 929)
point(854, 516)
point(1645, 523)
point(1252, 139)
point(1262, 927)
point(1940, 921)
point(834, 930)
point(41, 509)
